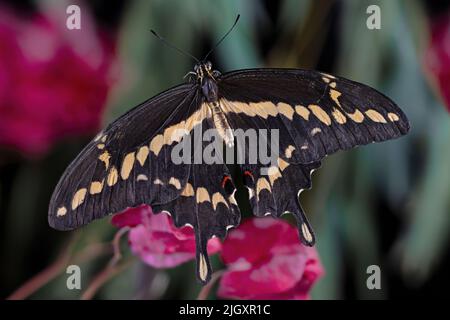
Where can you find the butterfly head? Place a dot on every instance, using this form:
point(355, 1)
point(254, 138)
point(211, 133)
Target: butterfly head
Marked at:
point(204, 69)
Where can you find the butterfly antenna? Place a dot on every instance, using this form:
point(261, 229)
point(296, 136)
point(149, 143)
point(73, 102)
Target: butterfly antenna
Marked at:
point(170, 45)
point(223, 38)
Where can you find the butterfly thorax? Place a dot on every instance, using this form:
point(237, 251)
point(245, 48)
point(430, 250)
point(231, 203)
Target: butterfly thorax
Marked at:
point(206, 77)
point(207, 80)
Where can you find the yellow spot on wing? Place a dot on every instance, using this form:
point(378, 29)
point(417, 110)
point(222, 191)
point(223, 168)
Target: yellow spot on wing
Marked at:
point(334, 95)
point(282, 164)
point(232, 199)
point(188, 191)
point(175, 182)
point(315, 131)
point(306, 233)
point(193, 120)
point(61, 212)
point(356, 116)
point(156, 144)
point(179, 132)
point(127, 165)
point(98, 136)
point(78, 198)
point(333, 84)
point(339, 117)
point(262, 184)
point(272, 170)
point(96, 187)
point(216, 198)
point(259, 109)
point(245, 108)
point(274, 174)
point(202, 195)
point(104, 157)
point(302, 112)
point(141, 177)
point(202, 268)
point(326, 80)
point(320, 114)
point(113, 176)
point(171, 133)
point(142, 155)
point(262, 109)
point(101, 146)
point(176, 132)
point(285, 110)
point(269, 108)
point(393, 117)
point(288, 151)
point(375, 116)
point(328, 75)
point(104, 138)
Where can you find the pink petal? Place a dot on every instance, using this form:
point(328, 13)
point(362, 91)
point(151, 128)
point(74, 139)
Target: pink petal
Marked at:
point(156, 240)
point(265, 260)
point(130, 217)
point(50, 87)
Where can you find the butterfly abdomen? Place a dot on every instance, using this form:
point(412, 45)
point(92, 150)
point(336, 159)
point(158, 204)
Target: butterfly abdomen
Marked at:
point(221, 124)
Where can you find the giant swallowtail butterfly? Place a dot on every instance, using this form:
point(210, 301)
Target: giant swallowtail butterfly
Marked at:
point(129, 163)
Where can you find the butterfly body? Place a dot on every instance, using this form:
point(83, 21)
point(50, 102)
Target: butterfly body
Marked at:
point(206, 78)
point(131, 162)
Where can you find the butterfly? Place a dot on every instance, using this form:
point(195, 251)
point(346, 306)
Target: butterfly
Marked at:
point(130, 162)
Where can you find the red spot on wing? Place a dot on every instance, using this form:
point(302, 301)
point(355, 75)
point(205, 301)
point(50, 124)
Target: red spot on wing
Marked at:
point(248, 173)
point(224, 181)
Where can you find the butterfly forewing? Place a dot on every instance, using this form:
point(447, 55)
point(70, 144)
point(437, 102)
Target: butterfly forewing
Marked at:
point(127, 164)
point(315, 113)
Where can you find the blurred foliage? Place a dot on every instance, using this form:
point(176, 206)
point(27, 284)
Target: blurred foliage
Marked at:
point(385, 204)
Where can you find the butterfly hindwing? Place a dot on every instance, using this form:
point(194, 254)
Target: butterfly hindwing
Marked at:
point(207, 204)
point(275, 191)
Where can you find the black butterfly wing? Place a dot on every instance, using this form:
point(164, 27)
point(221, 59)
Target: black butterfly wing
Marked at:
point(207, 204)
point(129, 163)
point(278, 191)
point(316, 113)
point(274, 188)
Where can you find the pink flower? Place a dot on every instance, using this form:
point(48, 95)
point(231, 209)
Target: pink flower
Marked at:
point(53, 81)
point(265, 260)
point(155, 239)
point(437, 55)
